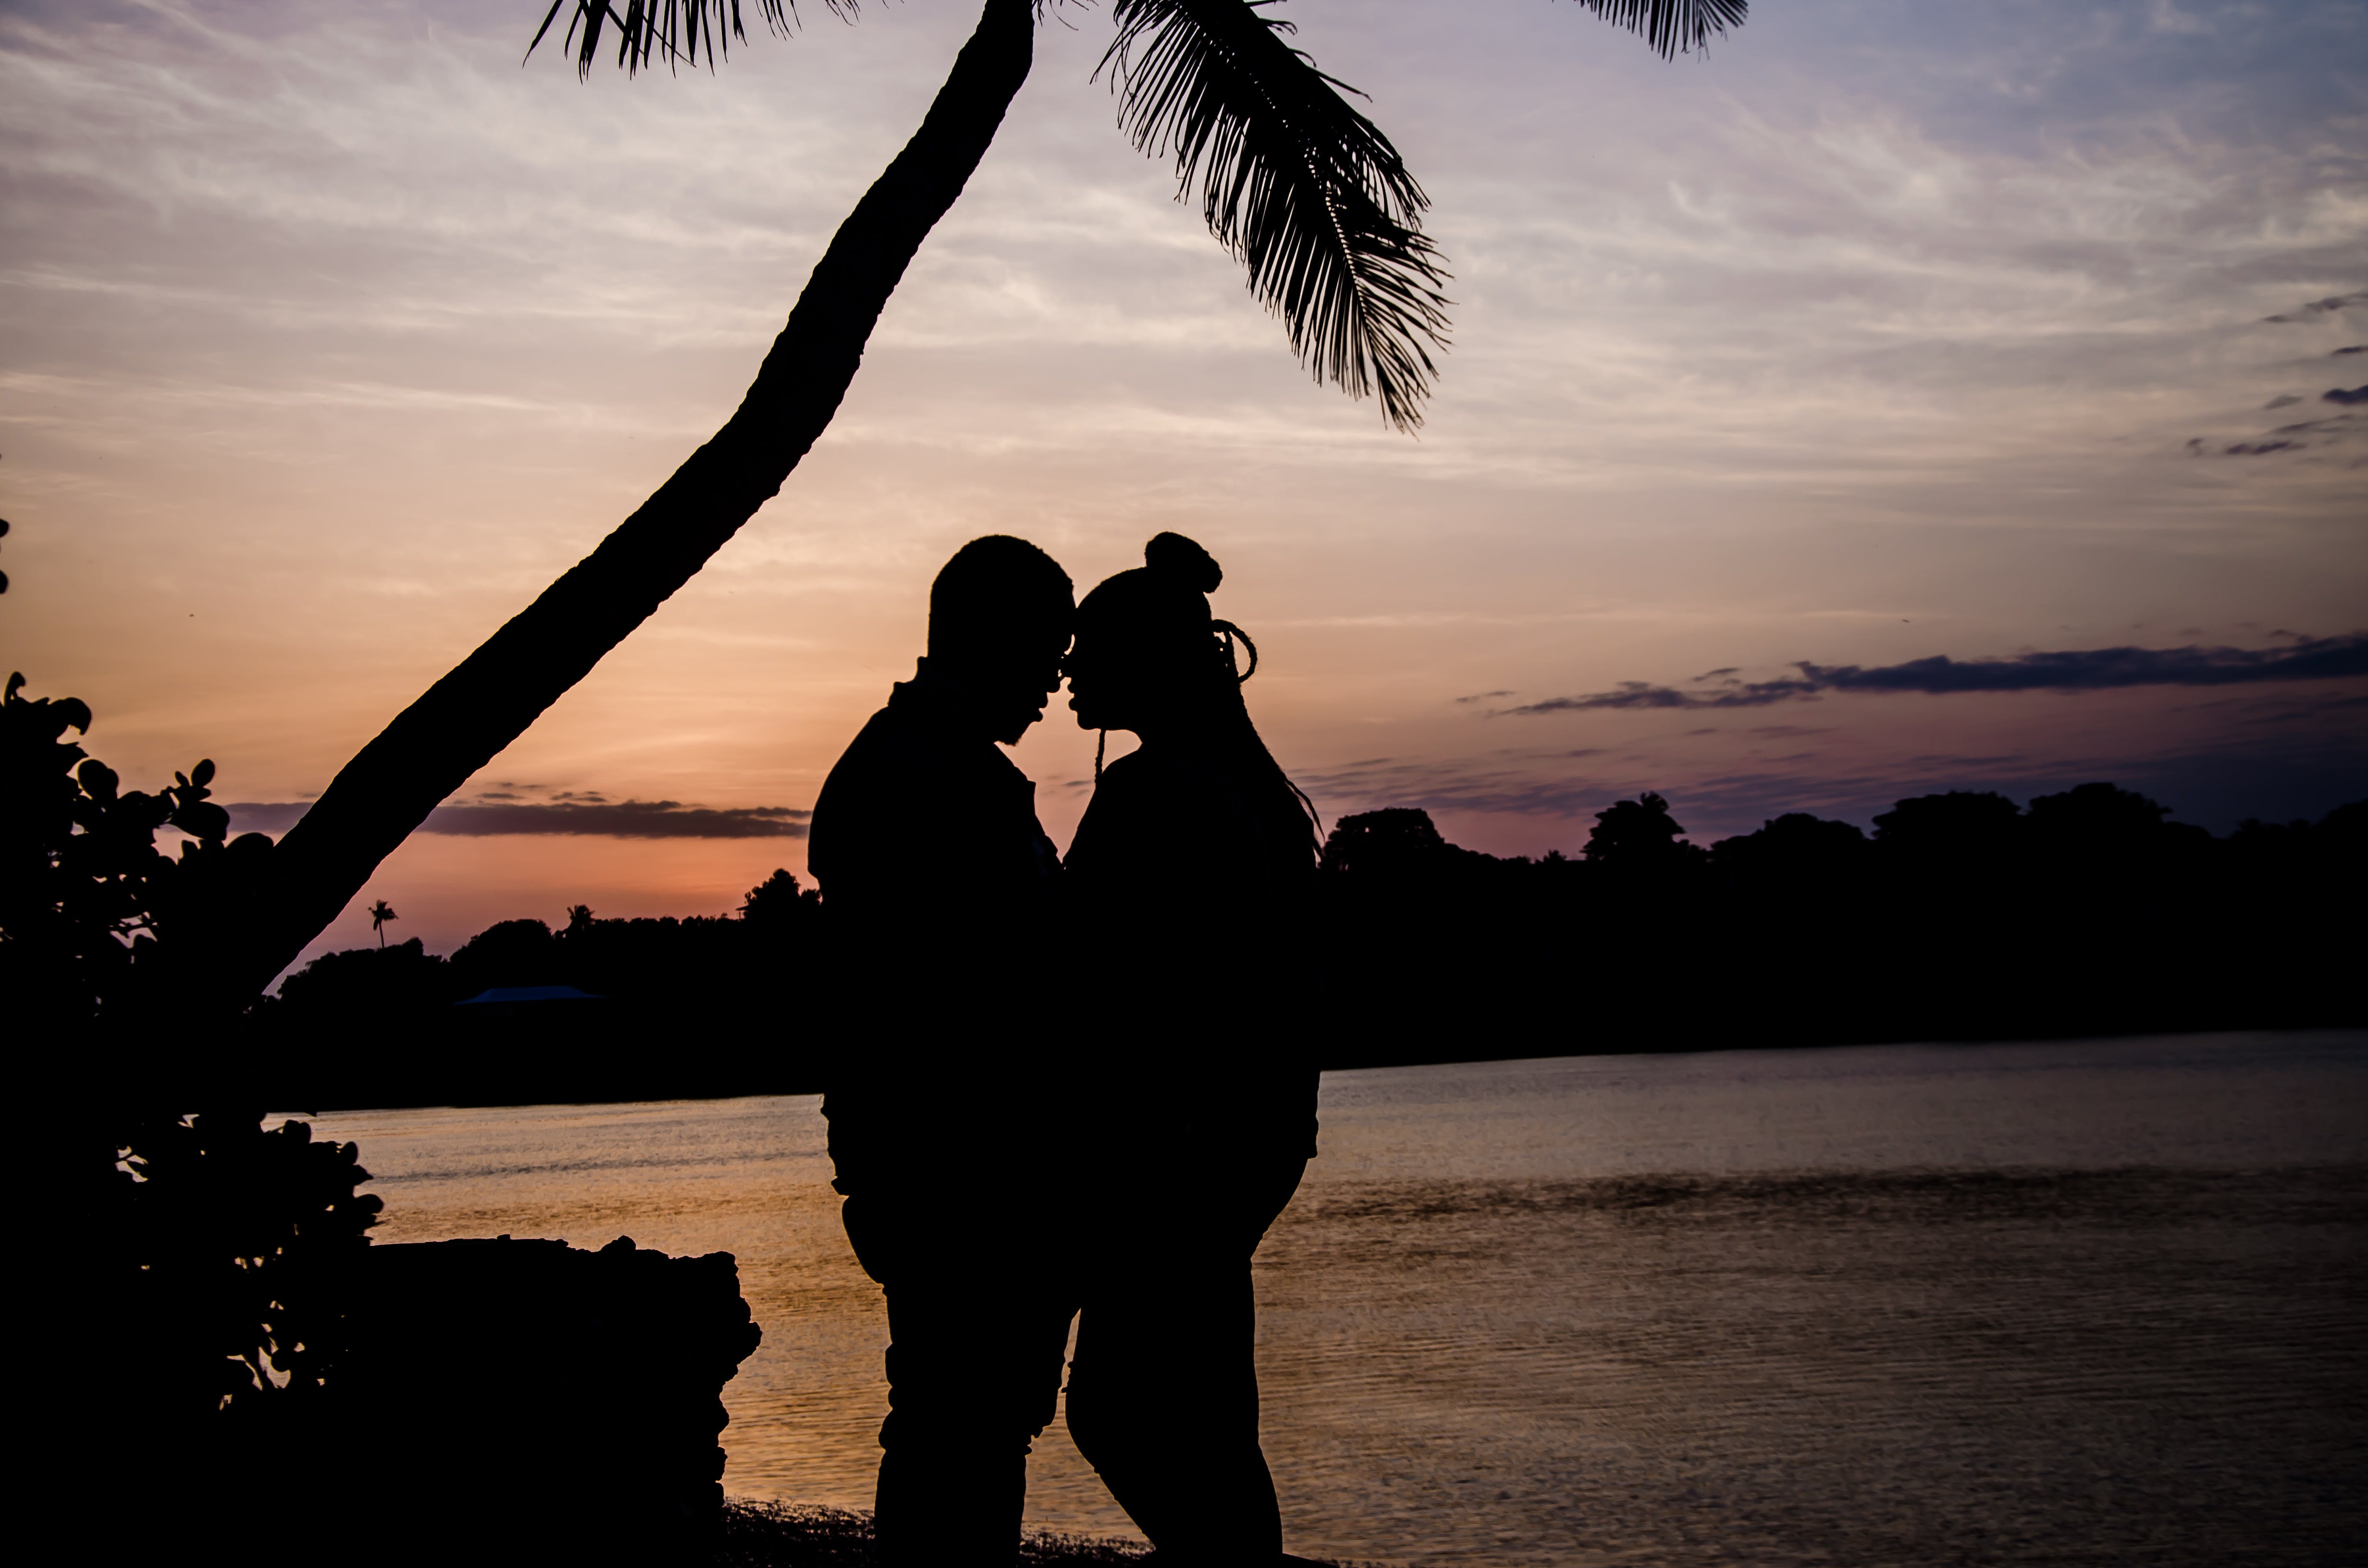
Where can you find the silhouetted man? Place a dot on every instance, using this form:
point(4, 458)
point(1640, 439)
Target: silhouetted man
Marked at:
point(938, 886)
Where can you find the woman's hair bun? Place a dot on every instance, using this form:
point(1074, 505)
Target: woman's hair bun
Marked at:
point(1173, 555)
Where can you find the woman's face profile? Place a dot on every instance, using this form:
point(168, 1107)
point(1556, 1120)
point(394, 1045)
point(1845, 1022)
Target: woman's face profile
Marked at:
point(1085, 691)
point(1105, 687)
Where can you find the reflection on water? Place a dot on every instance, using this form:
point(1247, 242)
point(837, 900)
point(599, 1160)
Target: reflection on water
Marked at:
point(2097, 1302)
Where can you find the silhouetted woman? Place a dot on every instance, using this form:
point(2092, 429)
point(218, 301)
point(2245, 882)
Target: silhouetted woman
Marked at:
point(1191, 875)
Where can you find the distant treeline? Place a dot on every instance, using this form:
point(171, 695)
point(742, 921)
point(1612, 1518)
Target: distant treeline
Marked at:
point(1963, 916)
point(673, 1009)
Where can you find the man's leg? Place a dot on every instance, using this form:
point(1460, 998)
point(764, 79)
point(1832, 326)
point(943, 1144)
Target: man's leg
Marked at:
point(974, 1373)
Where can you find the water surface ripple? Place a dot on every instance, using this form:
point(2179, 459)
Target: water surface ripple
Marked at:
point(2088, 1302)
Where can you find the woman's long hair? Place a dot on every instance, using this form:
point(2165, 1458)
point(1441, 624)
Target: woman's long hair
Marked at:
point(1248, 748)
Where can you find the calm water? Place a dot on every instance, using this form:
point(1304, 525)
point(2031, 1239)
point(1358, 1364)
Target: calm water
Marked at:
point(2090, 1302)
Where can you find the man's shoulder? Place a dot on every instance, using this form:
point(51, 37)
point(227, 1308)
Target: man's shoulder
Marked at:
point(904, 741)
point(916, 817)
point(906, 768)
point(891, 737)
point(887, 758)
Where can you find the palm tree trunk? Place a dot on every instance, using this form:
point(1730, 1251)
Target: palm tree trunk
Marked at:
point(486, 702)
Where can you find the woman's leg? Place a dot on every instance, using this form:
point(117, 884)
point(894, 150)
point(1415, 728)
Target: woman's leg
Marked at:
point(1163, 1402)
point(1163, 1394)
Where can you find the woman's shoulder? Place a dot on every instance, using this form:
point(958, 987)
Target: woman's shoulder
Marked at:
point(1181, 780)
point(1146, 765)
point(1150, 806)
point(1192, 806)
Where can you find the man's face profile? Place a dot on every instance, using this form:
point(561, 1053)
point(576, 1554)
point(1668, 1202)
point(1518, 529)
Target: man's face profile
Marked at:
point(1012, 680)
point(1000, 614)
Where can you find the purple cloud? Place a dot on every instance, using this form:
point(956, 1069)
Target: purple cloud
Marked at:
point(2088, 669)
point(624, 819)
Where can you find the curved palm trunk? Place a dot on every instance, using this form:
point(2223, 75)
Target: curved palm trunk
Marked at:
point(464, 719)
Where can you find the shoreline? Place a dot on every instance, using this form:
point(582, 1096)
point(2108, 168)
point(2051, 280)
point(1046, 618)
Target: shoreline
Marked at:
point(756, 1534)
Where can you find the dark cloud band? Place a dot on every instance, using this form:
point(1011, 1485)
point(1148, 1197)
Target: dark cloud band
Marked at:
point(2327, 306)
point(2089, 669)
point(622, 818)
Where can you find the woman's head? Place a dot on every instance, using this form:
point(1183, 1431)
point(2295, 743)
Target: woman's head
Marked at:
point(1149, 655)
point(1150, 658)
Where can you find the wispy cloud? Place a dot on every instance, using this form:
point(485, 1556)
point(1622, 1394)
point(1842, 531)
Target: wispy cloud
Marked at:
point(2087, 669)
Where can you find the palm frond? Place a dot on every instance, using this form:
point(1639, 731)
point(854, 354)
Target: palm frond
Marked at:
point(1303, 190)
point(1672, 27)
point(673, 30)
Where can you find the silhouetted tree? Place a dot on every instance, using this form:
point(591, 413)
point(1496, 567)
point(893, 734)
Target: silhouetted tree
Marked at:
point(2340, 844)
point(380, 913)
point(509, 953)
point(191, 1260)
point(1795, 851)
point(2097, 813)
point(777, 903)
point(1304, 190)
point(1639, 835)
point(368, 986)
point(1395, 844)
point(2273, 843)
point(1961, 828)
point(86, 899)
point(229, 1240)
point(2098, 831)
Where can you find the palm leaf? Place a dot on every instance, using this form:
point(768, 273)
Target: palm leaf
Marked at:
point(1672, 27)
point(1303, 190)
point(672, 30)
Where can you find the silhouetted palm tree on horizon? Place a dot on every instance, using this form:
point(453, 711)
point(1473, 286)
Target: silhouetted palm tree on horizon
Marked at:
point(1304, 190)
point(380, 913)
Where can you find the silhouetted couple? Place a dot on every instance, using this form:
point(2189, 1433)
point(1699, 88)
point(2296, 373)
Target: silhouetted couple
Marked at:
point(1078, 1090)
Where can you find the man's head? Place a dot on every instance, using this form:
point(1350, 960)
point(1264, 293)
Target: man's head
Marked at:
point(999, 620)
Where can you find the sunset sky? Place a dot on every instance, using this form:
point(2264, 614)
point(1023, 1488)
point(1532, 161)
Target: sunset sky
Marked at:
point(329, 335)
